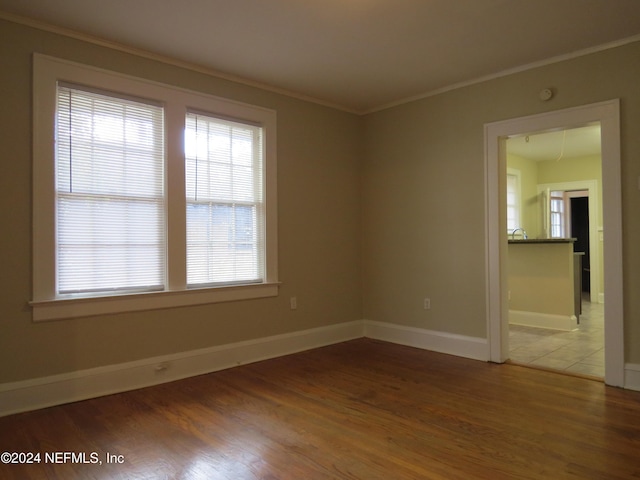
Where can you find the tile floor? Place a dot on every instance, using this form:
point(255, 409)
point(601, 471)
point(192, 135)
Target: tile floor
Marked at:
point(580, 351)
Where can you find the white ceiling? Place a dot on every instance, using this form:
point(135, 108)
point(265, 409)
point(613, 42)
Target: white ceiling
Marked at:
point(557, 145)
point(359, 55)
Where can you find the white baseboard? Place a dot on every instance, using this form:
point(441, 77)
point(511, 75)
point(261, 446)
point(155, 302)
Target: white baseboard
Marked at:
point(601, 298)
point(543, 320)
point(442, 342)
point(44, 392)
point(632, 376)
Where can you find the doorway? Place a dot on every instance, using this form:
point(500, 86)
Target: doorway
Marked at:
point(607, 114)
point(578, 206)
point(573, 342)
point(575, 224)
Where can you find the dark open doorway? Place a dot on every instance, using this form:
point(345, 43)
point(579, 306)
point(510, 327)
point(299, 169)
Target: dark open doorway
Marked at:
point(580, 231)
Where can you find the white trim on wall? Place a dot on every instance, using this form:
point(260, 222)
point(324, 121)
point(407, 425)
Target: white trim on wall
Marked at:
point(69, 387)
point(48, 303)
point(84, 384)
point(435, 341)
point(565, 323)
point(632, 376)
point(608, 114)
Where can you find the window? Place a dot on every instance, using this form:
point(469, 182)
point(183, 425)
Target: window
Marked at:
point(513, 200)
point(109, 193)
point(557, 214)
point(224, 201)
point(149, 196)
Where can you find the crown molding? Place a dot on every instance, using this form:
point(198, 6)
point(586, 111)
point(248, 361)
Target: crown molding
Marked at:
point(30, 22)
point(195, 67)
point(507, 72)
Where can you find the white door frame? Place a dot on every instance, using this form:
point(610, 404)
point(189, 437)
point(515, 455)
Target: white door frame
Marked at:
point(608, 114)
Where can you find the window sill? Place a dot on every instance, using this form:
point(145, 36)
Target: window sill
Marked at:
point(87, 307)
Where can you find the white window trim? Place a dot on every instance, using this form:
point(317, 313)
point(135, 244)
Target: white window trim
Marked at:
point(518, 174)
point(562, 215)
point(46, 305)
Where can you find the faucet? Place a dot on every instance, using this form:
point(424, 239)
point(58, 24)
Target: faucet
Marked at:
point(524, 233)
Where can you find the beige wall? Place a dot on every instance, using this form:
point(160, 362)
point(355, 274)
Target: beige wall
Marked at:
point(375, 212)
point(319, 155)
point(423, 191)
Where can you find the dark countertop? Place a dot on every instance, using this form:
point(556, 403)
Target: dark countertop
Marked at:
point(543, 240)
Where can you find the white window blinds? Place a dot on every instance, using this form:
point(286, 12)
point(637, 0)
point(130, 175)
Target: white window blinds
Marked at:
point(225, 206)
point(109, 192)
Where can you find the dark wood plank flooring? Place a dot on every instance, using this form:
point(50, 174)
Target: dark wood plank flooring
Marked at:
point(358, 410)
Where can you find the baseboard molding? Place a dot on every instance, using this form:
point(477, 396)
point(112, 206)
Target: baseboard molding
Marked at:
point(16, 397)
point(442, 342)
point(543, 320)
point(632, 376)
point(44, 392)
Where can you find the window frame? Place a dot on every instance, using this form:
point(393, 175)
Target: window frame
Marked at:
point(560, 198)
point(514, 172)
point(241, 192)
point(46, 305)
point(99, 137)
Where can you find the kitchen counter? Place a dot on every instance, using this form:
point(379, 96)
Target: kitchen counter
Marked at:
point(543, 240)
point(542, 287)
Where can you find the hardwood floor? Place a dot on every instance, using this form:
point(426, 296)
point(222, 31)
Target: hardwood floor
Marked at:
point(358, 410)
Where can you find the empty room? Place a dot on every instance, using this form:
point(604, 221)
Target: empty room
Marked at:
point(353, 239)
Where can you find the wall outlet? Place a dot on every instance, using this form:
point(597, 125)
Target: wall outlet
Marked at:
point(293, 301)
point(427, 303)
